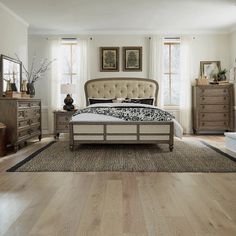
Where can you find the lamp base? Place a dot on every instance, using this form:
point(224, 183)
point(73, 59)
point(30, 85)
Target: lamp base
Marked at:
point(68, 103)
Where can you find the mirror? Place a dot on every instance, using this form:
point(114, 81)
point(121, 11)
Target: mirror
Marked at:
point(10, 75)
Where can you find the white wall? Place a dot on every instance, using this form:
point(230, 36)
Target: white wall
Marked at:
point(204, 48)
point(14, 35)
point(232, 44)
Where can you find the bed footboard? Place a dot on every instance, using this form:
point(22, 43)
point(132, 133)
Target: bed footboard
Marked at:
point(121, 132)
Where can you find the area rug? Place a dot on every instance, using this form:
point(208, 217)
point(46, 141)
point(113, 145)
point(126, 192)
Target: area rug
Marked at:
point(187, 156)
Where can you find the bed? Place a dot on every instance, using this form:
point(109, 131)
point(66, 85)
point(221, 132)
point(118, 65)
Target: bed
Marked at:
point(90, 128)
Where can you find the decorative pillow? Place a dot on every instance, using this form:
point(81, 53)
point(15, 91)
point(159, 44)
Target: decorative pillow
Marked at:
point(148, 101)
point(100, 100)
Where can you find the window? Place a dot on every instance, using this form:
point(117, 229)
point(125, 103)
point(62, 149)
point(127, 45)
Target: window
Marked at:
point(69, 70)
point(171, 75)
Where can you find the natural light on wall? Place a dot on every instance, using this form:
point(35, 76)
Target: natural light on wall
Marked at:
point(171, 71)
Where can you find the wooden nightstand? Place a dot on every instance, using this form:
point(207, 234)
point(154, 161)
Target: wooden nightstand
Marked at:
point(61, 122)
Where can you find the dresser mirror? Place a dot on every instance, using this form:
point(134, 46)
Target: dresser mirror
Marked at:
point(10, 75)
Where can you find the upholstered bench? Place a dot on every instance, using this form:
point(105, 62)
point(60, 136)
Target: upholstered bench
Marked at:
point(230, 141)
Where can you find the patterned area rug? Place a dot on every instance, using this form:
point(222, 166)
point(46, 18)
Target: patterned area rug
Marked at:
point(191, 156)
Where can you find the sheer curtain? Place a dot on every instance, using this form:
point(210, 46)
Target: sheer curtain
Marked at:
point(185, 86)
point(156, 65)
point(84, 70)
point(55, 81)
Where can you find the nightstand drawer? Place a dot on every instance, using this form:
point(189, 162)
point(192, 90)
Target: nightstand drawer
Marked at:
point(63, 127)
point(214, 108)
point(213, 92)
point(63, 118)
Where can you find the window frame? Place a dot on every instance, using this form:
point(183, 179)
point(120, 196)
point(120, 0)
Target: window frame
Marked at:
point(170, 73)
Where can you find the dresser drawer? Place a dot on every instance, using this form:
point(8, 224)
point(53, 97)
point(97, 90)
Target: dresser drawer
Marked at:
point(214, 125)
point(24, 114)
point(35, 104)
point(213, 92)
point(214, 100)
point(36, 112)
point(23, 104)
point(23, 124)
point(214, 116)
point(23, 134)
point(214, 108)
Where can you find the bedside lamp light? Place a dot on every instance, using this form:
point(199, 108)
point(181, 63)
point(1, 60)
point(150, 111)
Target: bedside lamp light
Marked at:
point(68, 89)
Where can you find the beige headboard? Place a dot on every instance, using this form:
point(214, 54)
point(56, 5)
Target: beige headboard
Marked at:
point(121, 88)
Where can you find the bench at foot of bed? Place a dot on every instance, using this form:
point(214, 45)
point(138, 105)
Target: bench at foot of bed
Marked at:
point(121, 133)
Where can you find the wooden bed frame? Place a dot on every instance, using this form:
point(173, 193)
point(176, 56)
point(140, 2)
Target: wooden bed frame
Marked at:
point(123, 132)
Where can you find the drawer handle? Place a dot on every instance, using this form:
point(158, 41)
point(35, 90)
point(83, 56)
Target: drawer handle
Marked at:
point(224, 123)
point(203, 107)
point(224, 98)
point(203, 98)
point(203, 115)
point(224, 107)
point(203, 90)
point(203, 124)
point(224, 115)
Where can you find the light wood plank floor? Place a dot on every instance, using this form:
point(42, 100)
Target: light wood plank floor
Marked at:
point(124, 204)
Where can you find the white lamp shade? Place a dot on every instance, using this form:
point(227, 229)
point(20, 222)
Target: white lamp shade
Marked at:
point(68, 89)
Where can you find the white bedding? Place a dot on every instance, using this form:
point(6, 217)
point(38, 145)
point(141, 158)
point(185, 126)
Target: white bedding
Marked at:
point(178, 130)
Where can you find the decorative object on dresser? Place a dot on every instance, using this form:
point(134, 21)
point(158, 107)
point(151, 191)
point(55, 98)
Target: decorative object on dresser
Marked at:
point(109, 59)
point(2, 139)
point(213, 108)
point(132, 58)
point(210, 69)
point(22, 118)
point(68, 89)
point(35, 73)
point(61, 121)
point(10, 75)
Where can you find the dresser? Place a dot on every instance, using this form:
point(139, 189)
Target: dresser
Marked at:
point(22, 118)
point(61, 121)
point(213, 108)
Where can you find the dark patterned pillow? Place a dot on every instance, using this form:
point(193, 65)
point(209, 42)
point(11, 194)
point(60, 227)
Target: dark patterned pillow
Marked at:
point(148, 101)
point(100, 100)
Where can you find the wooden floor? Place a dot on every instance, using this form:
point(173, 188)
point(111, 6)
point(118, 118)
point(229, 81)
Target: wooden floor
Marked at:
point(126, 204)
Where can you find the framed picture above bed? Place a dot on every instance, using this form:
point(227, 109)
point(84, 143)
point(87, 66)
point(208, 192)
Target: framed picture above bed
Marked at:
point(210, 69)
point(132, 58)
point(109, 59)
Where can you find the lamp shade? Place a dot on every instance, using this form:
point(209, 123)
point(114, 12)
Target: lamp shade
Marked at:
point(68, 89)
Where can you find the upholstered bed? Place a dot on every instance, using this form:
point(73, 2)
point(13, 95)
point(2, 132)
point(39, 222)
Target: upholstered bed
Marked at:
point(99, 128)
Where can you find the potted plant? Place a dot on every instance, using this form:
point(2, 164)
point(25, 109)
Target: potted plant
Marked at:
point(222, 75)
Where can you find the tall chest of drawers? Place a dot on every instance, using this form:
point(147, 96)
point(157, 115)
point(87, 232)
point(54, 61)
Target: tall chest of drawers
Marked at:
point(213, 108)
point(22, 118)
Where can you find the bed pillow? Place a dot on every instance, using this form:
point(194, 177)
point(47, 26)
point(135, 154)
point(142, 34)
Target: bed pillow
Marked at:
point(147, 101)
point(100, 100)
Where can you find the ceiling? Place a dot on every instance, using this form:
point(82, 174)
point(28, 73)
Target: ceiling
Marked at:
point(83, 16)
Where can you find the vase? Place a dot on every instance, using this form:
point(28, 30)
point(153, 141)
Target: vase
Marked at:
point(30, 89)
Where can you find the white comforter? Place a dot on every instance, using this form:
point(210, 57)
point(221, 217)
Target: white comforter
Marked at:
point(178, 130)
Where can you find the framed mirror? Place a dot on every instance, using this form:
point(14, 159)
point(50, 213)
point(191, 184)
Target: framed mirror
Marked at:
point(10, 75)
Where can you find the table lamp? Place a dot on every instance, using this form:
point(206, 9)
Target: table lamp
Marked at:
point(68, 89)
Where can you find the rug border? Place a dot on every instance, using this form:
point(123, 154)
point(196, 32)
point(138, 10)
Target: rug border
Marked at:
point(31, 156)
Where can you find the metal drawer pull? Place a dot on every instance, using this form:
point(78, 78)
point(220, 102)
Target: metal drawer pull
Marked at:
point(224, 115)
point(203, 124)
point(224, 98)
point(203, 115)
point(203, 98)
point(203, 107)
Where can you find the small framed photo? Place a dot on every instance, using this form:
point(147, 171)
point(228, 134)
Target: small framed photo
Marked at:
point(132, 58)
point(109, 59)
point(210, 68)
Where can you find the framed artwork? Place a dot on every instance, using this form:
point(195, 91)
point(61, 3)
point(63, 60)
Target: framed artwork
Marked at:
point(109, 59)
point(132, 58)
point(210, 68)
point(10, 74)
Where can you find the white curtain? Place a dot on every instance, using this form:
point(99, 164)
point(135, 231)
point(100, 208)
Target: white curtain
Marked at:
point(84, 70)
point(55, 80)
point(185, 88)
point(156, 65)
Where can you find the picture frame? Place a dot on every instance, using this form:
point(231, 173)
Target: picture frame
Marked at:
point(210, 69)
point(109, 59)
point(10, 75)
point(132, 58)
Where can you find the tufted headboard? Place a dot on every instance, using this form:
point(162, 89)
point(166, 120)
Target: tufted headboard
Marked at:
point(121, 88)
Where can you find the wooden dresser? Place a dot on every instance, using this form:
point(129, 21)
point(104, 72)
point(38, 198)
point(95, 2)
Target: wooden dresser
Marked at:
point(22, 118)
point(213, 108)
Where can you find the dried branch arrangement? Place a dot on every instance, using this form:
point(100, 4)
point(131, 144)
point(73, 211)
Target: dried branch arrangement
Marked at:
point(35, 72)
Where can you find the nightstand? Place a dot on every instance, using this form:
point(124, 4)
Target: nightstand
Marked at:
point(61, 122)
